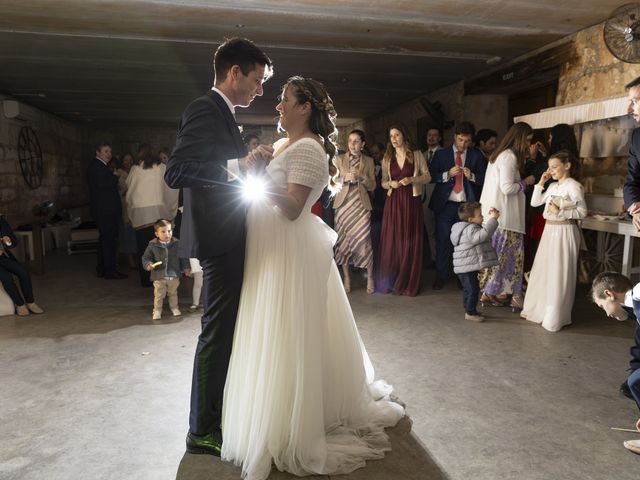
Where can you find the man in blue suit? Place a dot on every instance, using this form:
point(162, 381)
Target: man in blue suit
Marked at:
point(632, 182)
point(457, 171)
point(208, 148)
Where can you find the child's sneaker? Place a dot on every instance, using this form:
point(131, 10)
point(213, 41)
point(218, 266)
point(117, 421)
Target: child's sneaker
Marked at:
point(176, 312)
point(157, 315)
point(473, 318)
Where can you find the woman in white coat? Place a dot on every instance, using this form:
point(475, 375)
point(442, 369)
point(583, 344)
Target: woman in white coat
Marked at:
point(503, 190)
point(148, 199)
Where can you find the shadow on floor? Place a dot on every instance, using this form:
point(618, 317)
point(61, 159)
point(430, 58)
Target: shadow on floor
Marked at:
point(409, 460)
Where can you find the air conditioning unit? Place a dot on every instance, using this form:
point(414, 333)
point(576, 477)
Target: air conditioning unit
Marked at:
point(11, 108)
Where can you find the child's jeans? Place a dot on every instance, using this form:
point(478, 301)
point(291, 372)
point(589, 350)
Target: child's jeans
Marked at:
point(470, 291)
point(165, 287)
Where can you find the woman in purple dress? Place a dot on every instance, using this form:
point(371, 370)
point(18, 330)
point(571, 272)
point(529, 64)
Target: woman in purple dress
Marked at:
point(404, 174)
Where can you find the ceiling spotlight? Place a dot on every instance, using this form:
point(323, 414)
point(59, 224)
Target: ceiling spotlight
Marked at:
point(240, 25)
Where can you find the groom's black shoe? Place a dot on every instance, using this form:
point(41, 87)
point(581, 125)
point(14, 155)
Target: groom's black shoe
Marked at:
point(210, 444)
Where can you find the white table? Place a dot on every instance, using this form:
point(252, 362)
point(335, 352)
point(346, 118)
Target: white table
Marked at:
point(53, 236)
point(620, 227)
point(26, 247)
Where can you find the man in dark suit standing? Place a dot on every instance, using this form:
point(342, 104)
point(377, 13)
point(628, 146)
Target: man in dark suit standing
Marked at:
point(106, 210)
point(208, 158)
point(434, 143)
point(456, 171)
point(632, 182)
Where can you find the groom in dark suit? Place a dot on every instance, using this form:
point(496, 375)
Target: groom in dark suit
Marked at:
point(456, 171)
point(208, 157)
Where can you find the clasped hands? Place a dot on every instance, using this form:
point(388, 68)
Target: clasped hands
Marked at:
point(258, 158)
point(634, 211)
point(455, 170)
point(6, 241)
point(401, 183)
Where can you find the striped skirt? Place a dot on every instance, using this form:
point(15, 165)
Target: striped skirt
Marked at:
point(353, 225)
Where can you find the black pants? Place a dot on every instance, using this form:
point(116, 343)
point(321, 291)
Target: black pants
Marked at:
point(143, 237)
point(634, 363)
point(10, 267)
point(470, 291)
point(222, 283)
point(107, 245)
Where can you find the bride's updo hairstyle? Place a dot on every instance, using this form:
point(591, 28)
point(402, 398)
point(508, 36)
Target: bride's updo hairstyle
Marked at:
point(321, 121)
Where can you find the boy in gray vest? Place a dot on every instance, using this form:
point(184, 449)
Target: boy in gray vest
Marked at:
point(472, 251)
point(161, 259)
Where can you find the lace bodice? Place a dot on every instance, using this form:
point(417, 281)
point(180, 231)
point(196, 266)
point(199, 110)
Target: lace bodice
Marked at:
point(303, 162)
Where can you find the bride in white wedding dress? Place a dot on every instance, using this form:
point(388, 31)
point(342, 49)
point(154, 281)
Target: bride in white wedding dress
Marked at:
point(300, 391)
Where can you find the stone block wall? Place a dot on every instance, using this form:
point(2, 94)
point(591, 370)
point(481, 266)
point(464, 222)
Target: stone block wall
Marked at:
point(594, 73)
point(63, 151)
point(484, 111)
point(128, 138)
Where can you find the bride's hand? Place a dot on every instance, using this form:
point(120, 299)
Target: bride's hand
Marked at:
point(259, 157)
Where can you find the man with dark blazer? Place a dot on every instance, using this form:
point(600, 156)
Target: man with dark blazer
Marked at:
point(632, 182)
point(433, 140)
point(208, 157)
point(456, 171)
point(106, 210)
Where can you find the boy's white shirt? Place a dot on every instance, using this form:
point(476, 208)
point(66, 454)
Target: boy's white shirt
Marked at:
point(633, 294)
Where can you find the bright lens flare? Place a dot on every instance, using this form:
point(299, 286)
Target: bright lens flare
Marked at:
point(254, 189)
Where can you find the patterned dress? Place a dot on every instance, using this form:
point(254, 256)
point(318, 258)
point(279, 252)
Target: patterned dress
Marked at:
point(353, 224)
point(506, 277)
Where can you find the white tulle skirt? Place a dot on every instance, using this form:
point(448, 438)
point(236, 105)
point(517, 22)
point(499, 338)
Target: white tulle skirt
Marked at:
point(552, 282)
point(300, 391)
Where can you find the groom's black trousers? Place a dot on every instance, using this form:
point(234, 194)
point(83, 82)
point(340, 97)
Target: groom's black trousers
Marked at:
point(222, 283)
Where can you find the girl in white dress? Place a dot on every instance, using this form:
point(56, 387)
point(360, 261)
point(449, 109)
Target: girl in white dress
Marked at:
point(552, 282)
point(299, 391)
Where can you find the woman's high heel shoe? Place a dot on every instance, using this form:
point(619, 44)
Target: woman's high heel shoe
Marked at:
point(487, 300)
point(371, 288)
point(517, 302)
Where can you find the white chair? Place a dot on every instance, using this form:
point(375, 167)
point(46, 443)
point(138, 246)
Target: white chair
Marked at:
point(6, 304)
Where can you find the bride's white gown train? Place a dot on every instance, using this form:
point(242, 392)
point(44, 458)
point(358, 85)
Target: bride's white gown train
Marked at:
point(300, 390)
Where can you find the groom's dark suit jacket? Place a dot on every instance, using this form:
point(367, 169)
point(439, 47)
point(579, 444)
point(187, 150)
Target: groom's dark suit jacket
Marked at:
point(213, 220)
point(212, 230)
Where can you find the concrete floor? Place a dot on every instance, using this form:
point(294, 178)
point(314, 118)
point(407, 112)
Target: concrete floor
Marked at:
point(95, 389)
